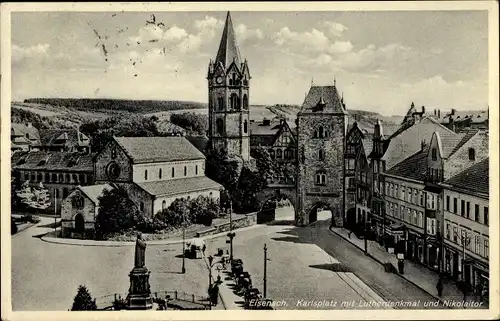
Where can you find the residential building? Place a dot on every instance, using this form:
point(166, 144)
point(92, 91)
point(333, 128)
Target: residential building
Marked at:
point(23, 137)
point(413, 192)
point(277, 136)
point(64, 140)
point(154, 170)
point(60, 172)
point(466, 226)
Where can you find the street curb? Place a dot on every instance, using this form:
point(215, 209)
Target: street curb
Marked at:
point(382, 263)
point(66, 241)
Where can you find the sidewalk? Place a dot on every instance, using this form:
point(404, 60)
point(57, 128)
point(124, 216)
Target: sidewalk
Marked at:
point(49, 238)
point(226, 295)
point(415, 273)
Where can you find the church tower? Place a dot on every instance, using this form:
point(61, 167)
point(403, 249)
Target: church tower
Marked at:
point(321, 127)
point(228, 97)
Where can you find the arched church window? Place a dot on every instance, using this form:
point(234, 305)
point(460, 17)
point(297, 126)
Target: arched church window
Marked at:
point(160, 173)
point(320, 132)
point(220, 103)
point(219, 124)
point(146, 175)
point(245, 101)
point(321, 154)
point(235, 101)
point(320, 178)
point(245, 127)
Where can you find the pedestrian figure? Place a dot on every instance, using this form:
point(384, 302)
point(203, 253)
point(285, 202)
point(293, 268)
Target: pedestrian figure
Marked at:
point(204, 248)
point(439, 288)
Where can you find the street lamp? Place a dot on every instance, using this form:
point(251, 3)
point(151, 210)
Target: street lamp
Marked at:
point(183, 243)
point(231, 234)
point(265, 270)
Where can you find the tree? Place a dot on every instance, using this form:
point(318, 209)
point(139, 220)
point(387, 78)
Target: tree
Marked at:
point(41, 197)
point(245, 196)
point(116, 213)
point(266, 166)
point(176, 214)
point(223, 168)
point(195, 123)
point(203, 210)
point(83, 300)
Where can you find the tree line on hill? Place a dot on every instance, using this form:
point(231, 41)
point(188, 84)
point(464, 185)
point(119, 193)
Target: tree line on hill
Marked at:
point(135, 106)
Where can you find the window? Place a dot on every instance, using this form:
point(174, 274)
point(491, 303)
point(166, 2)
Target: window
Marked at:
point(245, 101)
point(414, 219)
point(80, 178)
point(431, 226)
point(219, 126)
point(468, 210)
point(431, 201)
point(409, 195)
point(65, 192)
point(40, 177)
point(455, 234)
point(57, 193)
point(185, 170)
point(141, 206)
point(476, 244)
point(486, 248)
point(462, 207)
point(279, 154)
point(61, 178)
point(350, 164)
point(113, 153)
point(320, 178)
point(486, 218)
point(401, 212)
point(415, 196)
point(163, 205)
point(321, 154)
point(386, 188)
point(402, 193)
point(420, 219)
point(448, 203)
point(422, 195)
point(472, 154)
point(196, 170)
point(455, 210)
point(220, 103)
point(476, 212)
point(173, 171)
point(434, 154)
point(245, 126)
point(159, 173)
point(391, 189)
point(146, 175)
point(375, 166)
point(448, 231)
point(395, 190)
point(408, 215)
point(235, 102)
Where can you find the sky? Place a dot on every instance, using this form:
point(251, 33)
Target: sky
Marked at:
point(381, 61)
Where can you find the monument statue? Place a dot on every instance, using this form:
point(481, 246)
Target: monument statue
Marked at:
point(140, 252)
point(139, 293)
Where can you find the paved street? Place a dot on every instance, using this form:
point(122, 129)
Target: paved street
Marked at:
point(45, 276)
point(310, 264)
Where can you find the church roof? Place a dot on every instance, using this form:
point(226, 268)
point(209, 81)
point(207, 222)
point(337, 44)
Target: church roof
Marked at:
point(94, 191)
point(158, 149)
point(323, 99)
point(179, 186)
point(228, 48)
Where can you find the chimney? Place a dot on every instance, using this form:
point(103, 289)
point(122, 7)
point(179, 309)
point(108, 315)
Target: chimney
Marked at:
point(453, 111)
point(423, 109)
point(439, 113)
point(422, 144)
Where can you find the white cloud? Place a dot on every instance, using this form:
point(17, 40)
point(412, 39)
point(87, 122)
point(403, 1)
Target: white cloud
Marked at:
point(19, 53)
point(175, 33)
point(313, 40)
point(340, 47)
point(335, 28)
point(191, 43)
point(243, 33)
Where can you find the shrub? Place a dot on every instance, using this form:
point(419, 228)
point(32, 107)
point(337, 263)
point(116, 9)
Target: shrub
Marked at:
point(83, 300)
point(13, 226)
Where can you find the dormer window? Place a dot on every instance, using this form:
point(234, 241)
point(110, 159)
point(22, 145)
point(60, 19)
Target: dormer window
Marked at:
point(472, 154)
point(320, 105)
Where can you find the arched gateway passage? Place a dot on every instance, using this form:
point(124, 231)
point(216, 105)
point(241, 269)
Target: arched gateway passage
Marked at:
point(276, 205)
point(320, 211)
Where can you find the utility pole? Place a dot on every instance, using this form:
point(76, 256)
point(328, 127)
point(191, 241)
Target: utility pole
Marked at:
point(183, 243)
point(55, 216)
point(231, 235)
point(265, 271)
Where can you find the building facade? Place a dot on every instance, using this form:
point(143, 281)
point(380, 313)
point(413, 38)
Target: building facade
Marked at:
point(228, 97)
point(321, 128)
point(80, 209)
point(59, 172)
point(23, 137)
point(466, 227)
point(155, 171)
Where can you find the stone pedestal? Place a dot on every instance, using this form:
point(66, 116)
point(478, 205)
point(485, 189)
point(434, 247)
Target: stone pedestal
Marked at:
point(139, 293)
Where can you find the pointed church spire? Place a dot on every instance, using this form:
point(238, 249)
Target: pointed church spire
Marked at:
point(228, 48)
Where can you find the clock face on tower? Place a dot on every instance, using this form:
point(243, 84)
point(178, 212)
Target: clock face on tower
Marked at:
point(113, 170)
point(219, 80)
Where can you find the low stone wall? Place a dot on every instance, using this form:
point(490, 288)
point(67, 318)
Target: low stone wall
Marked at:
point(244, 221)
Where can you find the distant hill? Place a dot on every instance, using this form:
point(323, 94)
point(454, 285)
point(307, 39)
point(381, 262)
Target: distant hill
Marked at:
point(134, 106)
